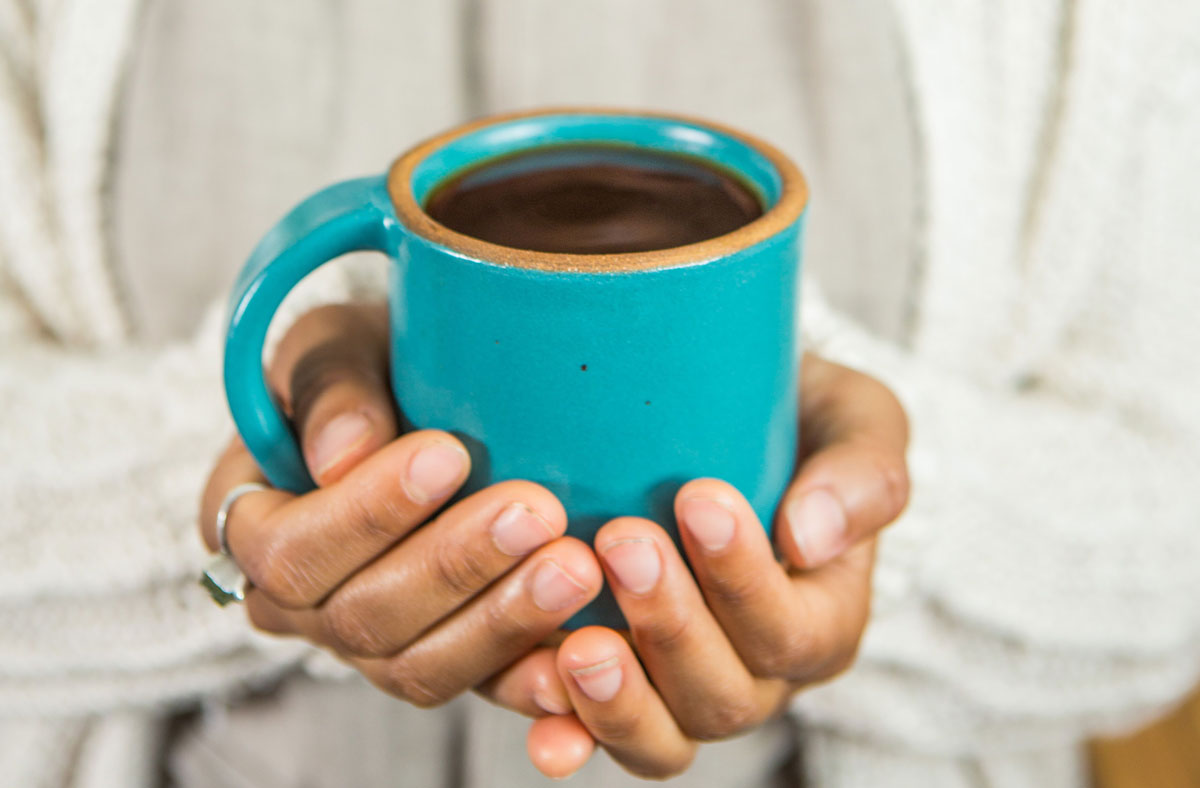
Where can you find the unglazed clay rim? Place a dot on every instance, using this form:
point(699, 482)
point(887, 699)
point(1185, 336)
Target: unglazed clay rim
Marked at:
point(792, 199)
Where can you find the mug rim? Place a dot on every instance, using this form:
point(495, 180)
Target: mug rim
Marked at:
point(787, 209)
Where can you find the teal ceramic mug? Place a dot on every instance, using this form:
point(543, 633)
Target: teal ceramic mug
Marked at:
point(610, 379)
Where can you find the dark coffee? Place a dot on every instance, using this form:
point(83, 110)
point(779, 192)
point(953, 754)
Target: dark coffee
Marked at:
point(593, 200)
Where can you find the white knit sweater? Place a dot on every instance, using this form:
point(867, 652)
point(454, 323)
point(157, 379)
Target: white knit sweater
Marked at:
point(1008, 192)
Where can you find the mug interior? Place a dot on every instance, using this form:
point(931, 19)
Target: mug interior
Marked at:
point(655, 134)
point(775, 181)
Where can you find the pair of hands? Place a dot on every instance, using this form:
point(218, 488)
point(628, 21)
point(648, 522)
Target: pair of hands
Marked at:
point(429, 609)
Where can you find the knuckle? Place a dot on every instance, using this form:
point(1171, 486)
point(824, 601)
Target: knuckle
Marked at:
point(351, 631)
point(738, 715)
point(666, 632)
point(408, 684)
point(732, 590)
point(722, 720)
point(838, 662)
point(505, 631)
point(287, 579)
point(460, 573)
point(360, 512)
point(392, 517)
point(616, 729)
point(788, 656)
point(768, 664)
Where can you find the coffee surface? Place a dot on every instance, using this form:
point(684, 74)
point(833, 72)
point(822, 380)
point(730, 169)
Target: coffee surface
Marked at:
point(593, 200)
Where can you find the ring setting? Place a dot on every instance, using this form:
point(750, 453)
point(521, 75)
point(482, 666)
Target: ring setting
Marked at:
point(222, 577)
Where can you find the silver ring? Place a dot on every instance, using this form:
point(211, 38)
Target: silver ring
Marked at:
point(222, 577)
point(223, 513)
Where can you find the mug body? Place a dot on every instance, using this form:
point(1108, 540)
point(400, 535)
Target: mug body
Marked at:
point(609, 379)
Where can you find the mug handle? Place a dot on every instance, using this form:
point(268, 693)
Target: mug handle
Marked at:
point(351, 216)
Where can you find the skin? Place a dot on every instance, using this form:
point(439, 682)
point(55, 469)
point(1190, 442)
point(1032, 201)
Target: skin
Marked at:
point(708, 655)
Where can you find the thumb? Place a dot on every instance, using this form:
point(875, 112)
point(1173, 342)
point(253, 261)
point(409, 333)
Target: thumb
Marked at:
point(331, 370)
point(853, 478)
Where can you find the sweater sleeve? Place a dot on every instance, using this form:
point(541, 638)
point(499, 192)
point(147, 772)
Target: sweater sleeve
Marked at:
point(105, 456)
point(1042, 585)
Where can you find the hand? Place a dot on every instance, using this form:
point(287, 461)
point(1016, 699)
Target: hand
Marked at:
point(425, 610)
point(722, 652)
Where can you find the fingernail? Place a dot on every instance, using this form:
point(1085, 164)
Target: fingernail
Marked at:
point(818, 524)
point(548, 703)
point(635, 562)
point(517, 530)
point(601, 681)
point(553, 589)
point(435, 472)
point(710, 522)
point(343, 433)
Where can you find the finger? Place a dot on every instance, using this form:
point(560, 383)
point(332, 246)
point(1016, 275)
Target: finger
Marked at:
point(746, 589)
point(559, 746)
point(299, 552)
point(616, 703)
point(695, 668)
point(786, 627)
point(388, 603)
point(492, 631)
point(529, 686)
point(235, 466)
point(333, 366)
point(854, 479)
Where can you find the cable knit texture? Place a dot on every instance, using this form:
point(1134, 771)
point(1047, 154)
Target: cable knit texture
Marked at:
point(1034, 194)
